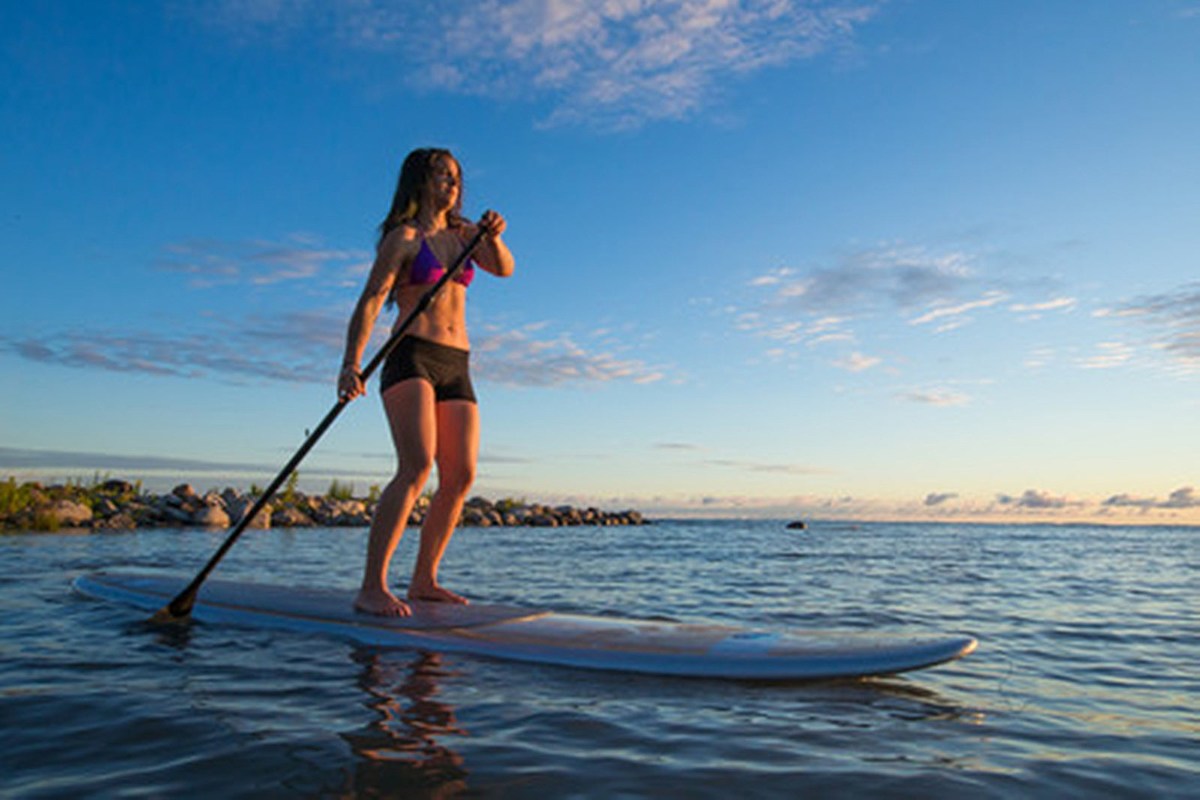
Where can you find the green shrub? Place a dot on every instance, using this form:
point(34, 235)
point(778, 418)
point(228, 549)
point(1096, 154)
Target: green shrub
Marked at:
point(340, 491)
point(289, 493)
point(508, 504)
point(13, 498)
point(45, 521)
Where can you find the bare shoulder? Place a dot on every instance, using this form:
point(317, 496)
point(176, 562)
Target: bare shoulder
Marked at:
point(397, 248)
point(401, 240)
point(392, 257)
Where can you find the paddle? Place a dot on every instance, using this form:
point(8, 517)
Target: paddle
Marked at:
point(179, 608)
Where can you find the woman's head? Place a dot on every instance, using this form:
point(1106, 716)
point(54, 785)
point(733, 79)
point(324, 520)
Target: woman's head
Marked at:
point(430, 175)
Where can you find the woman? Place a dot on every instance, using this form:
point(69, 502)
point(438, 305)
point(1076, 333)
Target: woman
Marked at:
point(425, 383)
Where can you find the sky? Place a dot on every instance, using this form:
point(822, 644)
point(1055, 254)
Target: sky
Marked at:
point(874, 259)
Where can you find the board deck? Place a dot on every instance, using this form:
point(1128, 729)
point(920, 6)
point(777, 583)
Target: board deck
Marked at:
point(542, 636)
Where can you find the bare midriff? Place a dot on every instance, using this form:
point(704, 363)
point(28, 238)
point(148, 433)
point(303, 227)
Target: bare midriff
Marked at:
point(444, 321)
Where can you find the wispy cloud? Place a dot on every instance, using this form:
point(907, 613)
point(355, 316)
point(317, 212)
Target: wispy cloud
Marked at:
point(1174, 316)
point(262, 262)
point(936, 396)
point(820, 306)
point(619, 63)
point(294, 347)
point(857, 362)
point(890, 275)
point(304, 347)
point(301, 345)
point(1107, 355)
point(950, 316)
point(1042, 504)
point(1183, 497)
point(859, 302)
point(1037, 499)
point(1036, 310)
point(521, 357)
point(70, 462)
point(769, 323)
point(29, 459)
point(696, 454)
point(766, 467)
point(1037, 505)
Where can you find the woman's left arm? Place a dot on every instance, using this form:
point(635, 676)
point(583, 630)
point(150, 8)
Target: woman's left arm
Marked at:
point(494, 256)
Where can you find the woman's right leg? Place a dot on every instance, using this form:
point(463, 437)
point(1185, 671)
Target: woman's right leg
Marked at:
point(411, 416)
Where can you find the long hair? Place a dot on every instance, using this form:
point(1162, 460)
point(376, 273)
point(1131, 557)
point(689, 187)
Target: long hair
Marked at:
point(414, 176)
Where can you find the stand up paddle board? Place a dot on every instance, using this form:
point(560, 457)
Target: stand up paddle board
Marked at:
point(544, 637)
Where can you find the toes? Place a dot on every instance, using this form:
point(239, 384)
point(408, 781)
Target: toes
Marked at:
point(386, 606)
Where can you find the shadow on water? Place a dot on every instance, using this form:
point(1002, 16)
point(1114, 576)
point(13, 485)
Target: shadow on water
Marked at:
point(176, 636)
point(896, 697)
point(403, 751)
point(912, 702)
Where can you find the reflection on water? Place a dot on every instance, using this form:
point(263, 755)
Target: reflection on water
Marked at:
point(403, 751)
point(409, 747)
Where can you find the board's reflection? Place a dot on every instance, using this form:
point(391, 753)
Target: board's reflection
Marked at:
point(403, 751)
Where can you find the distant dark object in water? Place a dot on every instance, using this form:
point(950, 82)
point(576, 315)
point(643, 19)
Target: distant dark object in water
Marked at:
point(798, 525)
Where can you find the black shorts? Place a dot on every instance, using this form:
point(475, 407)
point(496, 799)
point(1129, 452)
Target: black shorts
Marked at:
point(446, 368)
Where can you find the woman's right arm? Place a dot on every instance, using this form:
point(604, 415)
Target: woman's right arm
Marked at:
point(379, 284)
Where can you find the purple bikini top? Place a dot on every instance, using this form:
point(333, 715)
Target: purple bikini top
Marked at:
point(427, 269)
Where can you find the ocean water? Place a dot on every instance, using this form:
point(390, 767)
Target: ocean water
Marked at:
point(1086, 682)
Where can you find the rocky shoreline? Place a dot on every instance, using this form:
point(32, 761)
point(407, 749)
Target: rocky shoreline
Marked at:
point(121, 505)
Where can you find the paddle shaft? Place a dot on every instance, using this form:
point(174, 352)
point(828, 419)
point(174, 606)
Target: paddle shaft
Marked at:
point(182, 605)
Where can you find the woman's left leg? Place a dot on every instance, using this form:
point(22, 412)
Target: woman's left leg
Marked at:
point(457, 452)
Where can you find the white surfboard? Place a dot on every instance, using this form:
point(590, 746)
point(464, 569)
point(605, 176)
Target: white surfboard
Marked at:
point(545, 637)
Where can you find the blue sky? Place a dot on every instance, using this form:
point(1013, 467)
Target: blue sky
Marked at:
point(906, 259)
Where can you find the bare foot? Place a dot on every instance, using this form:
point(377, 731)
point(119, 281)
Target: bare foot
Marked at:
point(381, 603)
point(436, 594)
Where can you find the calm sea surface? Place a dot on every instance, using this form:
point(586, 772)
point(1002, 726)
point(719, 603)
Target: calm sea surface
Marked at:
point(1086, 682)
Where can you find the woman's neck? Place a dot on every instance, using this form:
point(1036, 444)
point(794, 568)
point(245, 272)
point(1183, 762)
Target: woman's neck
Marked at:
point(431, 223)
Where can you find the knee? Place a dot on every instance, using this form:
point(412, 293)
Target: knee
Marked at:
point(413, 472)
point(457, 481)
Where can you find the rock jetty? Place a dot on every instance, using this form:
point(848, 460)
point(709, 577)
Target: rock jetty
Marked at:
point(120, 505)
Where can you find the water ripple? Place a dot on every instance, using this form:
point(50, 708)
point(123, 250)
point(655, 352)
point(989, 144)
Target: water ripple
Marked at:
point(1084, 683)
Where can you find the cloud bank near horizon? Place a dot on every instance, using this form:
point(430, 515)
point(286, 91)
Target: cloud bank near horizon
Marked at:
point(1032, 504)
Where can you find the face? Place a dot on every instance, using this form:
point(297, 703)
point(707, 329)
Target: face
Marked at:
point(443, 185)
